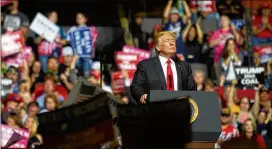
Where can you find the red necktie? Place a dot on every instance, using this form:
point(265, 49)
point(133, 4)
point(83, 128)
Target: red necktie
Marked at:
point(169, 77)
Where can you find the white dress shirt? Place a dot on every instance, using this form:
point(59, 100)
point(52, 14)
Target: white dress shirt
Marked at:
point(163, 61)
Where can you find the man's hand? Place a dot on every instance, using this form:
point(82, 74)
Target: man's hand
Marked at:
point(143, 99)
point(63, 77)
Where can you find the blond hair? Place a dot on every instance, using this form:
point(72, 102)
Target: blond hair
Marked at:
point(158, 37)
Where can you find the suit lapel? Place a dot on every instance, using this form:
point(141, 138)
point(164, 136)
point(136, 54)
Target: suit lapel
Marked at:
point(178, 67)
point(159, 72)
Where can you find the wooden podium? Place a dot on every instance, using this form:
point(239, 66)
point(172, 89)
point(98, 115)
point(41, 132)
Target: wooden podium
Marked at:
point(199, 145)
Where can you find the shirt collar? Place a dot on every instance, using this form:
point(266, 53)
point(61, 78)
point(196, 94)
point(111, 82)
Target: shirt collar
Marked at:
point(163, 60)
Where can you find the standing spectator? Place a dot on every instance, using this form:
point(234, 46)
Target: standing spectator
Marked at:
point(231, 8)
point(84, 63)
point(199, 78)
point(263, 119)
point(228, 131)
point(249, 132)
point(53, 66)
point(13, 74)
point(220, 37)
point(49, 88)
point(176, 23)
point(156, 29)
point(15, 20)
point(262, 26)
point(65, 68)
point(192, 37)
point(140, 37)
point(230, 55)
point(31, 125)
point(51, 103)
point(46, 48)
point(209, 85)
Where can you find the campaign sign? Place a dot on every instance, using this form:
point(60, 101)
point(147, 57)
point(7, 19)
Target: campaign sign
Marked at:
point(44, 27)
point(203, 5)
point(5, 87)
point(265, 53)
point(238, 23)
point(118, 81)
point(249, 77)
point(126, 61)
point(143, 54)
point(7, 132)
point(17, 59)
point(81, 40)
point(12, 42)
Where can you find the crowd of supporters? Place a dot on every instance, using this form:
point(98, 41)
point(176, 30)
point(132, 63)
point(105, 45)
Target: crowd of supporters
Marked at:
point(205, 35)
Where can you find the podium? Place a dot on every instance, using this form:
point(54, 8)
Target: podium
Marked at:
point(205, 114)
point(194, 120)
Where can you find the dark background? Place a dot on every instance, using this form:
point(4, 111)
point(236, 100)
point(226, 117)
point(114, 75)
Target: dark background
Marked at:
point(100, 12)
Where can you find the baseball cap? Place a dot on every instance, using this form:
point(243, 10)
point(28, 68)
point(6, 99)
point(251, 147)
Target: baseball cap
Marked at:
point(67, 51)
point(265, 6)
point(225, 112)
point(12, 97)
point(174, 10)
point(13, 70)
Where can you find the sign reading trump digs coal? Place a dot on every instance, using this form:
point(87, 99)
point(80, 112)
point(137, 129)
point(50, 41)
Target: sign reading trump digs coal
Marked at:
point(249, 77)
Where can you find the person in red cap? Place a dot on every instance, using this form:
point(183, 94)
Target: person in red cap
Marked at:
point(11, 103)
point(262, 26)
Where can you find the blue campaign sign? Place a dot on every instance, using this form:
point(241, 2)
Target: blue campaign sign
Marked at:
point(238, 23)
point(81, 41)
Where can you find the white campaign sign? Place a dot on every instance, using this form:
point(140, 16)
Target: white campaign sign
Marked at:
point(44, 27)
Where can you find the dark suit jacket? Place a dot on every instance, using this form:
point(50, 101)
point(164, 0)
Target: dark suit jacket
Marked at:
point(150, 76)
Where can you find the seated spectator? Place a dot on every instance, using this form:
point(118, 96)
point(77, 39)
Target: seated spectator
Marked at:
point(14, 121)
point(11, 103)
point(36, 74)
point(95, 79)
point(51, 103)
point(199, 78)
point(219, 37)
point(230, 55)
point(263, 119)
point(209, 86)
point(53, 65)
point(84, 63)
point(262, 26)
point(46, 48)
point(249, 132)
point(265, 102)
point(32, 110)
point(35, 139)
point(15, 20)
point(192, 37)
point(228, 131)
point(49, 88)
point(24, 92)
point(231, 8)
point(13, 74)
point(173, 22)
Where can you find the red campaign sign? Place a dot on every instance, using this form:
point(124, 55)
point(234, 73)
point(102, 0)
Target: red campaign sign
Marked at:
point(12, 42)
point(263, 50)
point(17, 59)
point(126, 61)
point(5, 2)
point(204, 5)
point(143, 54)
point(118, 84)
point(7, 132)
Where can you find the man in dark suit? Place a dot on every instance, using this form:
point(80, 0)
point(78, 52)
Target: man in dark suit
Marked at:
point(163, 72)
